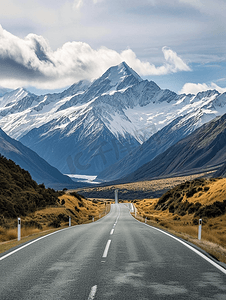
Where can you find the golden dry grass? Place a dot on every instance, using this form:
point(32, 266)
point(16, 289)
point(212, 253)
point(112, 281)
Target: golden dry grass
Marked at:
point(81, 211)
point(88, 209)
point(213, 230)
point(144, 187)
point(216, 192)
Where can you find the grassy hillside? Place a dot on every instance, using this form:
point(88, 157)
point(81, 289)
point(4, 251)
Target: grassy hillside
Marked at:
point(19, 194)
point(201, 198)
point(180, 208)
point(39, 208)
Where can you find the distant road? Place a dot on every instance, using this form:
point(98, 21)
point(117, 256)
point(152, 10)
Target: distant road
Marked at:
point(114, 258)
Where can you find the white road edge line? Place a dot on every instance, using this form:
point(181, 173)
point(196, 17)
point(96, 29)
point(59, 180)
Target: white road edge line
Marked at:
point(188, 246)
point(112, 231)
point(106, 248)
point(92, 292)
point(32, 242)
point(42, 237)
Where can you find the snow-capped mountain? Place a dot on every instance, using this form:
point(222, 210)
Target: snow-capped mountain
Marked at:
point(90, 126)
point(202, 150)
point(155, 145)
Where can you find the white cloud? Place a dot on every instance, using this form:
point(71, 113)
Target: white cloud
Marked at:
point(31, 61)
point(77, 4)
point(210, 7)
point(97, 1)
point(173, 63)
point(35, 11)
point(195, 88)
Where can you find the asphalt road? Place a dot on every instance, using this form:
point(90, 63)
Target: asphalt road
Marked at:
point(114, 258)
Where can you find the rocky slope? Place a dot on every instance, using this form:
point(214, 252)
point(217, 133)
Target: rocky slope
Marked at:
point(202, 150)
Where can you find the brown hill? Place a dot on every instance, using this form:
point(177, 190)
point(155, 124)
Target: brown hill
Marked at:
point(201, 197)
point(39, 208)
point(179, 210)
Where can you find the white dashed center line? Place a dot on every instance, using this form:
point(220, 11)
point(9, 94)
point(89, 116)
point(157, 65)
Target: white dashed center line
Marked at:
point(112, 231)
point(106, 248)
point(92, 292)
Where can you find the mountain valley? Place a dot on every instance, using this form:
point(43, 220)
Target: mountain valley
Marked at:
point(202, 150)
point(91, 126)
point(40, 170)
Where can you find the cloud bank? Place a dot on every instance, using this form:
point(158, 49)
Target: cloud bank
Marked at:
point(31, 62)
point(195, 88)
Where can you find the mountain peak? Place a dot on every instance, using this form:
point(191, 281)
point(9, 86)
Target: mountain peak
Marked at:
point(119, 73)
point(118, 77)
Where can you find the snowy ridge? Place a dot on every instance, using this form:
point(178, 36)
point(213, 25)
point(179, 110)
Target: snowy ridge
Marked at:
point(119, 105)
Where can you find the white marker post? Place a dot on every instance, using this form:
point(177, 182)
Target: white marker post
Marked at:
point(116, 196)
point(19, 229)
point(69, 221)
point(200, 229)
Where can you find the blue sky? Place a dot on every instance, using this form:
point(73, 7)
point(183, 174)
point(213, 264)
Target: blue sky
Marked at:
point(49, 45)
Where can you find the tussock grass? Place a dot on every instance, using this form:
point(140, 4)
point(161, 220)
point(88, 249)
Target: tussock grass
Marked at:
point(157, 212)
point(7, 234)
point(49, 218)
point(11, 234)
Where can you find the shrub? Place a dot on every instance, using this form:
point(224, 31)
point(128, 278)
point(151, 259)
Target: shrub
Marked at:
point(211, 211)
point(77, 209)
point(80, 204)
point(206, 188)
point(191, 192)
point(171, 208)
point(19, 194)
point(32, 223)
point(55, 223)
point(63, 217)
point(195, 221)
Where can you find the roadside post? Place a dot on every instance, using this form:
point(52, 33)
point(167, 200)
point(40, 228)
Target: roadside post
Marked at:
point(200, 229)
point(19, 229)
point(116, 196)
point(69, 221)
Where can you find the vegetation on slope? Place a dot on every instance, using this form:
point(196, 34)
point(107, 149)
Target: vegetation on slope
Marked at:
point(19, 194)
point(179, 210)
point(39, 208)
point(193, 197)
